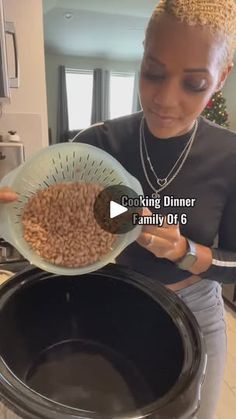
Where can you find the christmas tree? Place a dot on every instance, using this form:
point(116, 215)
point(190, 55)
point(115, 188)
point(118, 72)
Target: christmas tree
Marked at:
point(216, 111)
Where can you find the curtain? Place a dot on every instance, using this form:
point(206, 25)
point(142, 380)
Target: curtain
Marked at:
point(139, 106)
point(62, 111)
point(100, 104)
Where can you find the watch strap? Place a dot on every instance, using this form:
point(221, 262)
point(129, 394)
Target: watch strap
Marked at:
point(191, 253)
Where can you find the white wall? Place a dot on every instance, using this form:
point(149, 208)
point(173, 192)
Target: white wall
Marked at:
point(27, 112)
point(54, 61)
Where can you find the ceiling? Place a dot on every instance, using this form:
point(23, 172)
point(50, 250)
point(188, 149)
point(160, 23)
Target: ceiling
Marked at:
point(111, 29)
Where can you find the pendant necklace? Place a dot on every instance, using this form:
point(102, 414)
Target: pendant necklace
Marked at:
point(162, 183)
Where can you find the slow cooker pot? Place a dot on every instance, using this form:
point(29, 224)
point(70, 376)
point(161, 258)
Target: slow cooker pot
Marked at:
point(108, 344)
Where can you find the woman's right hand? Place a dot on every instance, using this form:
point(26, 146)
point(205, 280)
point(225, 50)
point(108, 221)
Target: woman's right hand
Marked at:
point(7, 195)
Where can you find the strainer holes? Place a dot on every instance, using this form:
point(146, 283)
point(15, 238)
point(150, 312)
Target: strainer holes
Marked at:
point(28, 196)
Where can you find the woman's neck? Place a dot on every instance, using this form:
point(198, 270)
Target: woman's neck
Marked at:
point(179, 135)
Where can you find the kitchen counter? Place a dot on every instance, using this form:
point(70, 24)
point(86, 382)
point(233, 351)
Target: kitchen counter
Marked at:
point(5, 413)
point(4, 275)
point(14, 266)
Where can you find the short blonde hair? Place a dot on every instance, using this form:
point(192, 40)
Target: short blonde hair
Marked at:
point(218, 15)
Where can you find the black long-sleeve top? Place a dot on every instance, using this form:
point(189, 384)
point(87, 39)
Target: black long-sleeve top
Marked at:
point(208, 175)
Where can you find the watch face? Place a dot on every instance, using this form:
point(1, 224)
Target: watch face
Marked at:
point(188, 261)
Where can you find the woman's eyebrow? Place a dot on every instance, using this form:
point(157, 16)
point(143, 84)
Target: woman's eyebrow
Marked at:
point(186, 70)
point(196, 70)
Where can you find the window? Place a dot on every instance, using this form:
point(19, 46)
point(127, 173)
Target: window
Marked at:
point(79, 87)
point(121, 94)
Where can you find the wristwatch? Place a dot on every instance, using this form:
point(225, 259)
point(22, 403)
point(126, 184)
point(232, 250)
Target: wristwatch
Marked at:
point(189, 258)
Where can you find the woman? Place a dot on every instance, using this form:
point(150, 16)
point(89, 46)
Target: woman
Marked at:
point(175, 152)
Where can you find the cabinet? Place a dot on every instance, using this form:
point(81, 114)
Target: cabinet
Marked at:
point(27, 111)
point(229, 294)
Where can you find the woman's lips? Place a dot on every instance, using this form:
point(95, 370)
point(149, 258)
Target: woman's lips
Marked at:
point(163, 121)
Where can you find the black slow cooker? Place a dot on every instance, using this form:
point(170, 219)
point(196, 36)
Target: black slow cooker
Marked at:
point(108, 344)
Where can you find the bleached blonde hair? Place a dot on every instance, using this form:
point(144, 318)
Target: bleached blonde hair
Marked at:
point(217, 15)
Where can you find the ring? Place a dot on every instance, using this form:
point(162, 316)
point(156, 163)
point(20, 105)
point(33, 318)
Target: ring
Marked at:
point(150, 241)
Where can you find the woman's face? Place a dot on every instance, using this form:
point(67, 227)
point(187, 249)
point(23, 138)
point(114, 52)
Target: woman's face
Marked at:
point(180, 72)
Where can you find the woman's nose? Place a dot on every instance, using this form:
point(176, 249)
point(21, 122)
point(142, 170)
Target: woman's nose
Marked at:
point(167, 94)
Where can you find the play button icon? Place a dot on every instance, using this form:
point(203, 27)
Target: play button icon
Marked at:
point(113, 211)
point(116, 209)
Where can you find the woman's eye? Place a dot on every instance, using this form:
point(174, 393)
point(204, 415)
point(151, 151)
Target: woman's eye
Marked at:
point(196, 86)
point(192, 85)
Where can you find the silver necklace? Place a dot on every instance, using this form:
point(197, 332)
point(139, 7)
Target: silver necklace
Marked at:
point(163, 183)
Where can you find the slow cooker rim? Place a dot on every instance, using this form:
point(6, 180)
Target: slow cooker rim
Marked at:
point(143, 283)
point(19, 390)
point(16, 393)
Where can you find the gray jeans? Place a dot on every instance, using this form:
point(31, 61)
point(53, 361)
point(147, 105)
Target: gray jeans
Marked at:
point(205, 301)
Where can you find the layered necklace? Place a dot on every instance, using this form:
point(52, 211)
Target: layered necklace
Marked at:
point(162, 183)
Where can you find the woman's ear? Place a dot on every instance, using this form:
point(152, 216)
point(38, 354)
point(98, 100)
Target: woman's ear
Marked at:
point(227, 70)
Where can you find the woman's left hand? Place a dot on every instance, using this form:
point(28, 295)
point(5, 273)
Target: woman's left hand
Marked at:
point(164, 242)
